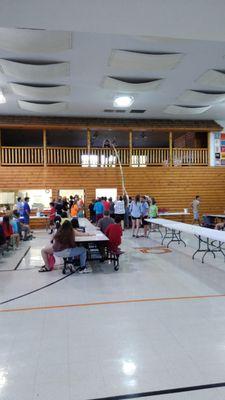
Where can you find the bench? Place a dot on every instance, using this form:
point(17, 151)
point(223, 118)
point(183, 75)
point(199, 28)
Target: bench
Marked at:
point(212, 242)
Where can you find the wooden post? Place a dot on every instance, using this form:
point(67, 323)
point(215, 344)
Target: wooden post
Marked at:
point(171, 148)
point(88, 145)
point(130, 147)
point(44, 148)
point(209, 148)
point(0, 147)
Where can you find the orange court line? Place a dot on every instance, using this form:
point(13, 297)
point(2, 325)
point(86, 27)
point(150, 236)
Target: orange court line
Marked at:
point(102, 303)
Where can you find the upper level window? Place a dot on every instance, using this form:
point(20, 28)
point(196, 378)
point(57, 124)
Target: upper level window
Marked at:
point(89, 161)
point(109, 161)
point(139, 161)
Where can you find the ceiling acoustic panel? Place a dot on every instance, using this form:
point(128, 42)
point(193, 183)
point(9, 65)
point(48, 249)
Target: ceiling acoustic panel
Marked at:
point(40, 92)
point(193, 97)
point(213, 78)
point(34, 40)
point(185, 110)
point(34, 72)
point(42, 107)
point(124, 85)
point(133, 60)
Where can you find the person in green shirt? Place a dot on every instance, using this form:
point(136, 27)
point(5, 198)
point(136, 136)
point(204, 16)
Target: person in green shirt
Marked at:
point(153, 209)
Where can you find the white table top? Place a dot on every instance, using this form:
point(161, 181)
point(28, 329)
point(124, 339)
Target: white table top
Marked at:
point(37, 217)
point(98, 236)
point(191, 229)
point(167, 213)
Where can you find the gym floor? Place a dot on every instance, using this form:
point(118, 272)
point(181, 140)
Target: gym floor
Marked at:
point(155, 328)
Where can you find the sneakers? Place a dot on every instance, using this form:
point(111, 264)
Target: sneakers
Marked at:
point(84, 270)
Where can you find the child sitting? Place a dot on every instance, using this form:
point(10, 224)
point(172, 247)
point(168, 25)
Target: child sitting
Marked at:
point(114, 233)
point(8, 232)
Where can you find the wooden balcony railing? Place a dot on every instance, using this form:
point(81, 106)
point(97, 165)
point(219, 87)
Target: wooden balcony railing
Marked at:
point(194, 156)
point(21, 155)
point(149, 156)
point(105, 157)
point(65, 155)
point(102, 157)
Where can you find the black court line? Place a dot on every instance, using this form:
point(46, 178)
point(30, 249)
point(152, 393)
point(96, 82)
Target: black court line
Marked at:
point(164, 391)
point(18, 264)
point(35, 290)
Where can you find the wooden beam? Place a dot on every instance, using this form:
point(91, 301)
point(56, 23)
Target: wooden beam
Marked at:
point(130, 147)
point(88, 144)
point(63, 123)
point(88, 141)
point(171, 148)
point(44, 148)
point(209, 147)
point(0, 147)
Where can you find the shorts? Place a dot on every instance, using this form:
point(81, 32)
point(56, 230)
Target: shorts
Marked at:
point(134, 218)
point(143, 220)
point(120, 217)
point(196, 215)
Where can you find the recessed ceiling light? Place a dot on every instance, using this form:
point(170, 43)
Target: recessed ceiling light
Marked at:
point(2, 98)
point(123, 101)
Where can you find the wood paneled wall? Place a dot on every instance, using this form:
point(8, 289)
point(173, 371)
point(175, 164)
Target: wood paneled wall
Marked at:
point(173, 188)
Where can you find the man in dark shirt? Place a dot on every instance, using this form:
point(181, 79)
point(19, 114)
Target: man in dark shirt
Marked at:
point(104, 222)
point(26, 211)
point(59, 206)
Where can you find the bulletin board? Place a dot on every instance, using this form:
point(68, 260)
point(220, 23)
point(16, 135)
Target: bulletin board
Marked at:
point(219, 148)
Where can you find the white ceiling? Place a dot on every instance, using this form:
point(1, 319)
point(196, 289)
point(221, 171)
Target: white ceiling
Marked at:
point(98, 28)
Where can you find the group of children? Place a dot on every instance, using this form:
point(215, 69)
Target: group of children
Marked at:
point(131, 212)
point(13, 230)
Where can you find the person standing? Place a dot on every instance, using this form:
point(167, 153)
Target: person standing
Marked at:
point(127, 211)
point(153, 209)
point(92, 212)
point(19, 206)
point(135, 210)
point(195, 209)
point(26, 211)
point(119, 210)
point(74, 210)
point(106, 204)
point(111, 208)
point(59, 206)
point(99, 209)
point(144, 212)
point(80, 204)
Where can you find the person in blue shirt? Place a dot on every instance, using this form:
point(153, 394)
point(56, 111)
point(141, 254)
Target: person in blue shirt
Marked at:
point(136, 212)
point(99, 210)
point(20, 206)
point(26, 211)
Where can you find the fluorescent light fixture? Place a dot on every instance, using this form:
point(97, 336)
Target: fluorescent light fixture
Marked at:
point(2, 98)
point(123, 101)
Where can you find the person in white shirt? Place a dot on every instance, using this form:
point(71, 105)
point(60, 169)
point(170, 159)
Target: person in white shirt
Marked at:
point(119, 210)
